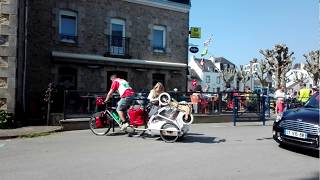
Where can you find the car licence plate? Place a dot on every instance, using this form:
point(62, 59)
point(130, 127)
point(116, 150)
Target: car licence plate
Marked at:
point(295, 134)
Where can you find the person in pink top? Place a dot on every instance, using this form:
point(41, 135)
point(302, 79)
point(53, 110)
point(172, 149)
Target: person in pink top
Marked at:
point(280, 97)
point(126, 93)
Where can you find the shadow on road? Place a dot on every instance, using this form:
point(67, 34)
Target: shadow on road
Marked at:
point(189, 138)
point(264, 138)
point(307, 152)
point(200, 138)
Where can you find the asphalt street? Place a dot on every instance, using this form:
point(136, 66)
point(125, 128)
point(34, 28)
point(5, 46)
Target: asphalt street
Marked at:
point(209, 151)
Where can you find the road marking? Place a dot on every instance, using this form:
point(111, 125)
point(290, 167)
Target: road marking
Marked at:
point(2, 145)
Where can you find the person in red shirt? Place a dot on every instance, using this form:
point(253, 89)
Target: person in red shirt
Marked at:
point(126, 93)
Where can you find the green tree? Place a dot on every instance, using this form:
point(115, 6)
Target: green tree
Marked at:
point(312, 65)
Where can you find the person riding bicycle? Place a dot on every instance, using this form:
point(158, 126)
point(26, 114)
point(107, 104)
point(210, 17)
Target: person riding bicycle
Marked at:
point(126, 97)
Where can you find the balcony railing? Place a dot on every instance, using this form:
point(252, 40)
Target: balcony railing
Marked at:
point(118, 46)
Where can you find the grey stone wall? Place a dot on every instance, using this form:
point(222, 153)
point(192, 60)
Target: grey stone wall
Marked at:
point(8, 43)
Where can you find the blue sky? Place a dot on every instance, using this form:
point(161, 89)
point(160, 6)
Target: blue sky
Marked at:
point(240, 28)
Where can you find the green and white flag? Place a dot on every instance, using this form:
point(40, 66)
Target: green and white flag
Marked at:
point(205, 51)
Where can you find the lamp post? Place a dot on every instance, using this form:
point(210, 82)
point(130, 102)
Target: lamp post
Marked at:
point(252, 63)
point(251, 76)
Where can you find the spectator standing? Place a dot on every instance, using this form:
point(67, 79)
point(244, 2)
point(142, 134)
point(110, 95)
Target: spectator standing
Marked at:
point(280, 96)
point(196, 97)
point(314, 90)
point(304, 94)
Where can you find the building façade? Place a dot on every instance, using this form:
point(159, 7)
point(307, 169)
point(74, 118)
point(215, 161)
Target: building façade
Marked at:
point(78, 44)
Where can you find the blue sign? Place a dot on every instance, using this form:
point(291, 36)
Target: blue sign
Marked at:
point(193, 49)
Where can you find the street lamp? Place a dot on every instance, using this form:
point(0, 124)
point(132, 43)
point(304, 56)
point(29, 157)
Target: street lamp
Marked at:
point(251, 76)
point(252, 63)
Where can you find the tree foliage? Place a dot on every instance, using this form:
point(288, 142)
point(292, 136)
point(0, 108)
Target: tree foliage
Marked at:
point(280, 60)
point(262, 71)
point(242, 75)
point(299, 77)
point(228, 75)
point(5, 119)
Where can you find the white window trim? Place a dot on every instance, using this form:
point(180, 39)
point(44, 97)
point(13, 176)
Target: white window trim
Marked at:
point(72, 14)
point(163, 29)
point(120, 22)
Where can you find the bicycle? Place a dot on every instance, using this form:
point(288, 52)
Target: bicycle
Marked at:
point(170, 121)
point(101, 122)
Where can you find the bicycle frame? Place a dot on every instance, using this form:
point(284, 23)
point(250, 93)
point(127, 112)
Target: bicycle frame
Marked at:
point(111, 111)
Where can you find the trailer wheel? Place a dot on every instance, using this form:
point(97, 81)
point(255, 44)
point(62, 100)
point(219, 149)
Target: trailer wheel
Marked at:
point(169, 132)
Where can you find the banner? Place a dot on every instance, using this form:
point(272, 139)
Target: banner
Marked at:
point(195, 32)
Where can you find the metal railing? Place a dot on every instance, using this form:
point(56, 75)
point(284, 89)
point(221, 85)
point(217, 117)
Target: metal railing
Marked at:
point(241, 106)
point(118, 46)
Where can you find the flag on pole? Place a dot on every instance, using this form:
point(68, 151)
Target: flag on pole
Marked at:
point(208, 41)
point(205, 51)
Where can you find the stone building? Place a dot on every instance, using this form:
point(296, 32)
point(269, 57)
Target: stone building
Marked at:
point(78, 44)
point(11, 52)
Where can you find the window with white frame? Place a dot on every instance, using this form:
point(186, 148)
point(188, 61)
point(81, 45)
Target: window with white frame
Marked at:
point(117, 32)
point(68, 26)
point(207, 79)
point(159, 38)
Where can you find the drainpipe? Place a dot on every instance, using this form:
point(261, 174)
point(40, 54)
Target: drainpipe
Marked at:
point(25, 56)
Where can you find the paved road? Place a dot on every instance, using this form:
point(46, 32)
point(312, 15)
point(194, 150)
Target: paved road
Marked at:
point(210, 151)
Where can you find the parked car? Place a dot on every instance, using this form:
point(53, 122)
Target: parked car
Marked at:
point(299, 126)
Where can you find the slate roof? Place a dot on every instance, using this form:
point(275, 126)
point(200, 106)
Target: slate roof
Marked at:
point(207, 66)
point(222, 60)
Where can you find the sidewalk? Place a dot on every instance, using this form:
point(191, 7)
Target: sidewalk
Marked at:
point(27, 131)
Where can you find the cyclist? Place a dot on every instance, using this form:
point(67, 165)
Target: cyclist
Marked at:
point(126, 96)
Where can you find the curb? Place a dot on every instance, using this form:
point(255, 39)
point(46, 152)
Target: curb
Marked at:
point(30, 134)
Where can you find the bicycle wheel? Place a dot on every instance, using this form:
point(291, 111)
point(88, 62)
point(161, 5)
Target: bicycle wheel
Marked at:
point(169, 132)
point(138, 130)
point(100, 124)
